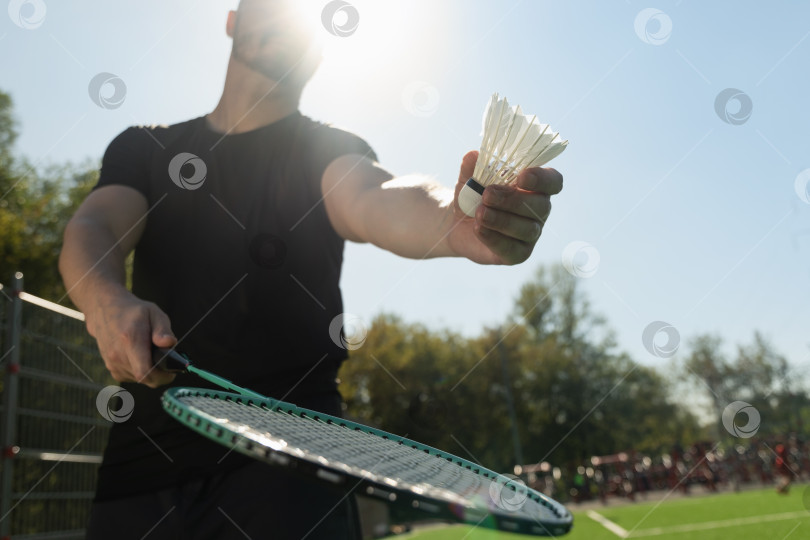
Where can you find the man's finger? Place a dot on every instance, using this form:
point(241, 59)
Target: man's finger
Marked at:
point(509, 250)
point(510, 225)
point(547, 181)
point(140, 358)
point(529, 204)
point(162, 334)
point(467, 166)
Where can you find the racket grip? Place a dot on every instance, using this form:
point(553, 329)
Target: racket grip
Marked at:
point(170, 360)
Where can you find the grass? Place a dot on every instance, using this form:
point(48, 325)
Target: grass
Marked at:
point(703, 517)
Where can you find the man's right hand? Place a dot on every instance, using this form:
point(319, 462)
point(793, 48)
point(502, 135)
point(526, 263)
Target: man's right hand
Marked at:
point(125, 328)
point(98, 238)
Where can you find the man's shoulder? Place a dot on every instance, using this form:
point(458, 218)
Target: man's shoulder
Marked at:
point(170, 127)
point(331, 135)
point(158, 133)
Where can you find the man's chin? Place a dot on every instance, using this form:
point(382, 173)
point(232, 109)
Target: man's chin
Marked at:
point(273, 72)
point(280, 68)
point(273, 66)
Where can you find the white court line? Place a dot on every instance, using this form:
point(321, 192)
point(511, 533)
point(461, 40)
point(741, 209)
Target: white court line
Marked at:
point(606, 523)
point(720, 524)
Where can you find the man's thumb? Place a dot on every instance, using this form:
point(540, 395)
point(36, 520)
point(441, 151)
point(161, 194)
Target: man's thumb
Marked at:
point(162, 334)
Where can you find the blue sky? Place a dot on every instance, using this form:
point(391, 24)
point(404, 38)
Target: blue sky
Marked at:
point(697, 221)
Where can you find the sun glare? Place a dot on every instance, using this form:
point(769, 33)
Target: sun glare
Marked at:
point(365, 38)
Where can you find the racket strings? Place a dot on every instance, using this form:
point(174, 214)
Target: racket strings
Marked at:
point(341, 447)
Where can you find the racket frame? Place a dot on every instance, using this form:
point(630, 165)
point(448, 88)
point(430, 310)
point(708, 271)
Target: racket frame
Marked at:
point(404, 498)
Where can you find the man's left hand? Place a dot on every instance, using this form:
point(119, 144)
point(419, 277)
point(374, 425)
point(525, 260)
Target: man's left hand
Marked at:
point(510, 219)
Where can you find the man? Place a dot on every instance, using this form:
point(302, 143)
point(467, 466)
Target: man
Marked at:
point(782, 469)
point(238, 220)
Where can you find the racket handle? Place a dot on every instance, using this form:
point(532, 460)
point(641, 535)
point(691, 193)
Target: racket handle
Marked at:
point(170, 360)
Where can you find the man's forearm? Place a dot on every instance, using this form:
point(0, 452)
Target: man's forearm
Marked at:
point(91, 263)
point(410, 216)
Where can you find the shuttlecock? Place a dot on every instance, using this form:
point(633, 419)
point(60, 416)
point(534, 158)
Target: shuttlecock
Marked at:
point(511, 142)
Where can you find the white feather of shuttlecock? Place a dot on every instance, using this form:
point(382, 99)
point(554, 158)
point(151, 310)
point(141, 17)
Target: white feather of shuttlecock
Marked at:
point(511, 142)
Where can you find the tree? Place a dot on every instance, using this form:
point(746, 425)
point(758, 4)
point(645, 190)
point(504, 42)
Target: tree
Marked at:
point(400, 380)
point(35, 206)
point(572, 394)
point(8, 135)
point(758, 375)
point(585, 396)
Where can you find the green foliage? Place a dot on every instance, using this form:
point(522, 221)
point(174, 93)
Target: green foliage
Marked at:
point(574, 395)
point(757, 374)
point(35, 205)
point(7, 131)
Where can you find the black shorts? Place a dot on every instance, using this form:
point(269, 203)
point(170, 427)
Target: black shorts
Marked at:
point(255, 501)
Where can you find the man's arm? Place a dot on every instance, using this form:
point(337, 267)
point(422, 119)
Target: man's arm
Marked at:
point(97, 240)
point(415, 217)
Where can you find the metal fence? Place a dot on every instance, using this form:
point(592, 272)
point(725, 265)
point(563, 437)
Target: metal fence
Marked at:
point(51, 432)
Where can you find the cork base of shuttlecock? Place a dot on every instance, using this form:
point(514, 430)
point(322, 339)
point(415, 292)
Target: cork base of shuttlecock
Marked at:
point(469, 198)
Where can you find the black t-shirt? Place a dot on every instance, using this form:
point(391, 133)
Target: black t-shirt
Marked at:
point(238, 250)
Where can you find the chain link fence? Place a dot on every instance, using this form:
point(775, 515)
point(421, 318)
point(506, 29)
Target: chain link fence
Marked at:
point(52, 434)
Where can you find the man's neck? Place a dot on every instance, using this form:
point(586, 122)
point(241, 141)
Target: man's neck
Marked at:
point(250, 101)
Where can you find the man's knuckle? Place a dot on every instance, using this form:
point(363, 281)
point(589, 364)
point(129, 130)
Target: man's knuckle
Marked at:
point(126, 336)
point(492, 218)
point(142, 310)
point(538, 177)
point(502, 221)
point(537, 230)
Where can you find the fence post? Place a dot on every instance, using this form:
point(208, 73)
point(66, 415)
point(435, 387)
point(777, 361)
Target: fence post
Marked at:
point(11, 356)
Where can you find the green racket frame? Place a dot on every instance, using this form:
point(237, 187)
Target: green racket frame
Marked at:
point(458, 508)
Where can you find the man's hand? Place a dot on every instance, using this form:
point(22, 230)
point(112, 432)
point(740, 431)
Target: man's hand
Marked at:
point(105, 228)
point(415, 217)
point(125, 328)
point(510, 219)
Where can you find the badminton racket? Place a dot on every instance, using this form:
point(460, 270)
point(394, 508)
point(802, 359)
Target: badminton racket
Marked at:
point(418, 479)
